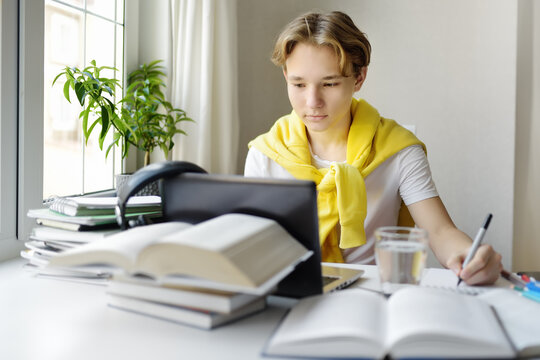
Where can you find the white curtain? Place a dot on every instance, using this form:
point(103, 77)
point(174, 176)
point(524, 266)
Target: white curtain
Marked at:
point(203, 81)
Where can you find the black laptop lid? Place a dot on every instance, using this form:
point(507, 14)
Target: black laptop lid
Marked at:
point(195, 197)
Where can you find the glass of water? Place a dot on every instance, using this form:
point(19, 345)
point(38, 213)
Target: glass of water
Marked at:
point(400, 253)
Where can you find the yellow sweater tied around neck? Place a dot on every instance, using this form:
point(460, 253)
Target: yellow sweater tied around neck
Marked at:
point(341, 191)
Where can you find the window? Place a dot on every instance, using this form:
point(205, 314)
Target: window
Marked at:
point(23, 89)
point(76, 32)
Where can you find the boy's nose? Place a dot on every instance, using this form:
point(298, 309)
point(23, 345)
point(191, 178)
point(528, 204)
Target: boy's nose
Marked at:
point(314, 99)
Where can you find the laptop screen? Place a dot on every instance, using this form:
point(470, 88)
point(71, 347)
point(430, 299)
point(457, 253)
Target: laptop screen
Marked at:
point(193, 198)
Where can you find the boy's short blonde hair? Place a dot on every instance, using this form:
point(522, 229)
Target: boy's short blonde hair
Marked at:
point(335, 30)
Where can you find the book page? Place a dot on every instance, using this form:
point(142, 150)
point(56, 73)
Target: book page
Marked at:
point(520, 317)
point(120, 249)
point(430, 322)
point(233, 248)
point(345, 323)
point(221, 233)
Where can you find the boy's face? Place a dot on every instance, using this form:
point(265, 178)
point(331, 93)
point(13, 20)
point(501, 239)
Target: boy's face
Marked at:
point(318, 93)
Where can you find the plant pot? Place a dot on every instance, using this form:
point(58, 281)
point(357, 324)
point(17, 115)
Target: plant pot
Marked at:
point(150, 189)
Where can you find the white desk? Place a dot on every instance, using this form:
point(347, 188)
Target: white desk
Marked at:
point(60, 320)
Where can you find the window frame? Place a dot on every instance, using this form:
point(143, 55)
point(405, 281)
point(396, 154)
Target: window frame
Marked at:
point(30, 137)
point(8, 128)
point(21, 122)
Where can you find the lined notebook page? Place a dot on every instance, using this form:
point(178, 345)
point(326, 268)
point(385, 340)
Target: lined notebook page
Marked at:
point(446, 279)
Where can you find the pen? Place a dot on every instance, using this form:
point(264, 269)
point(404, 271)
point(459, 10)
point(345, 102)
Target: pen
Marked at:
point(533, 287)
point(514, 279)
point(476, 243)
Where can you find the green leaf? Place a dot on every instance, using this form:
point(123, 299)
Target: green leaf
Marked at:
point(165, 149)
point(97, 121)
point(56, 78)
point(80, 91)
point(111, 145)
point(66, 91)
point(86, 133)
point(104, 125)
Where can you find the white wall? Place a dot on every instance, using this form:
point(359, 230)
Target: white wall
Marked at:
point(527, 184)
point(448, 67)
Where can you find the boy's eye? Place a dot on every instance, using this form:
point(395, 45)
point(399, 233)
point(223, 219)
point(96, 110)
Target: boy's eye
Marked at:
point(298, 85)
point(331, 84)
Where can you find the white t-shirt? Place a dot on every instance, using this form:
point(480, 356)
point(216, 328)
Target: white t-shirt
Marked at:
point(406, 175)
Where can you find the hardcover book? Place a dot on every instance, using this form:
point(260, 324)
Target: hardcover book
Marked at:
point(233, 249)
point(414, 322)
point(147, 289)
point(187, 316)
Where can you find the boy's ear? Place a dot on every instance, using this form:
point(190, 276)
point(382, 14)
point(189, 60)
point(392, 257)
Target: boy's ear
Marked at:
point(360, 78)
point(285, 73)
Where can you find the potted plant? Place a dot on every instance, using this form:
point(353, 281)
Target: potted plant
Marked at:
point(142, 117)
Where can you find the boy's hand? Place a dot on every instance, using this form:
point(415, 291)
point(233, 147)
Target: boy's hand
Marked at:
point(483, 269)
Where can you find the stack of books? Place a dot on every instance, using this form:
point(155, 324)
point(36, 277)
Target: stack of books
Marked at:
point(204, 308)
point(71, 222)
point(201, 275)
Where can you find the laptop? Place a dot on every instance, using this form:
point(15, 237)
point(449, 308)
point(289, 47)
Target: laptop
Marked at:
point(194, 197)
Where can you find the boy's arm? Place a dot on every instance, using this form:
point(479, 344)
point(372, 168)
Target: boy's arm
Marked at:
point(450, 245)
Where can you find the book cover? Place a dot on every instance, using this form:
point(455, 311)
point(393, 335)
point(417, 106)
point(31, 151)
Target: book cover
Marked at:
point(47, 233)
point(208, 299)
point(94, 220)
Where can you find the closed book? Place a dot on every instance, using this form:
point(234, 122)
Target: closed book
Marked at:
point(234, 249)
point(41, 248)
point(187, 316)
point(39, 262)
point(208, 299)
point(46, 233)
point(88, 206)
point(51, 218)
point(76, 227)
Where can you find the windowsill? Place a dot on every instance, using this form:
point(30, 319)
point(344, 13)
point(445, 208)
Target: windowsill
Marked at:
point(10, 249)
point(110, 192)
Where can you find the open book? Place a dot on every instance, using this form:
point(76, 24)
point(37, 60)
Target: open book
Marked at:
point(414, 322)
point(234, 249)
point(520, 317)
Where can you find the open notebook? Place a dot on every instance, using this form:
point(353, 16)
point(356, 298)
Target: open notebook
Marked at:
point(195, 197)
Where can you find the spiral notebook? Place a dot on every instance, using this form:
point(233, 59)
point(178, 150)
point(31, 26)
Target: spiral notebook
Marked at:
point(85, 206)
point(446, 279)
